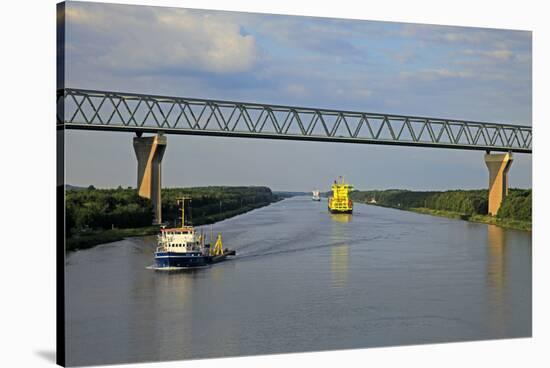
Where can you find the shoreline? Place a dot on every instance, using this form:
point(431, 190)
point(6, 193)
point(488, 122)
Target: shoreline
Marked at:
point(96, 237)
point(483, 219)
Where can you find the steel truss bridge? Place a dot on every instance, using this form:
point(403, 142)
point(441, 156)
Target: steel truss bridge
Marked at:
point(119, 111)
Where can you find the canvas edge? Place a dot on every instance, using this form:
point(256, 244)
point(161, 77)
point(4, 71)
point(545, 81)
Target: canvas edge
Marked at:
point(60, 187)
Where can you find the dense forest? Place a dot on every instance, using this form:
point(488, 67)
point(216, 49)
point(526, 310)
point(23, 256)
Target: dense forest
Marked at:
point(97, 215)
point(211, 204)
point(516, 206)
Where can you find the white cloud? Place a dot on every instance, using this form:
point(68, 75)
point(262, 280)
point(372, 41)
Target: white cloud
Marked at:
point(501, 54)
point(437, 73)
point(295, 89)
point(160, 39)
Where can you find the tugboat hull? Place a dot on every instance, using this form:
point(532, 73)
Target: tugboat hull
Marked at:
point(175, 261)
point(340, 211)
point(221, 257)
point(178, 260)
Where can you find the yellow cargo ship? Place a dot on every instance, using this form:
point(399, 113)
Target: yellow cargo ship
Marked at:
point(340, 202)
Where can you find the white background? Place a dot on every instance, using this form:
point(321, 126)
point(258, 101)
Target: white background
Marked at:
point(27, 208)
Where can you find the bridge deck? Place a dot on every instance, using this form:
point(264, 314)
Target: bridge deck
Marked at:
point(117, 111)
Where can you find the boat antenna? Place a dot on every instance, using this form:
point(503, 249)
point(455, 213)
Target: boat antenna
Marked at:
point(181, 201)
point(190, 215)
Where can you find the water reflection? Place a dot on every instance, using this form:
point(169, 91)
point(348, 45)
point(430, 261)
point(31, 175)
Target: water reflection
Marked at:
point(186, 311)
point(496, 276)
point(176, 291)
point(339, 237)
point(343, 218)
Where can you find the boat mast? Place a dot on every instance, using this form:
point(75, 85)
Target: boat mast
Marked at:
point(181, 201)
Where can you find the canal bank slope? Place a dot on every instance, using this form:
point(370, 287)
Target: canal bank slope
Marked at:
point(468, 205)
point(97, 216)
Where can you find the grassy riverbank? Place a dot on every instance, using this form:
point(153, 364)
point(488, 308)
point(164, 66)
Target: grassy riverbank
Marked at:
point(97, 216)
point(468, 205)
point(485, 219)
point(88, 239)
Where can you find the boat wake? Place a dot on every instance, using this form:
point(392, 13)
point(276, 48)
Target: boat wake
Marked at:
point(276, 250)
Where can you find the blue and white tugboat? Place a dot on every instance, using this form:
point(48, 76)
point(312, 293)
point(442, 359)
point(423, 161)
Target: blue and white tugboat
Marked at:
point(182, 248)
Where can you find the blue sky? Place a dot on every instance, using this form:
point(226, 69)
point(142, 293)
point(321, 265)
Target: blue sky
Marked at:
point(397, 68)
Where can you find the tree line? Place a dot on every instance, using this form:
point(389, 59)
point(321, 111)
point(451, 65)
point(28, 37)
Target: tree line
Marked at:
point(516, 206)
point(102, 209)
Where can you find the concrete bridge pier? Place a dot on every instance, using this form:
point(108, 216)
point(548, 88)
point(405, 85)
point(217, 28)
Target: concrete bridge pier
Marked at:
point(149, 152)
point(498, 165)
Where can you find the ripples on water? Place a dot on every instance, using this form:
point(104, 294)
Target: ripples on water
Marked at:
point(303, 280)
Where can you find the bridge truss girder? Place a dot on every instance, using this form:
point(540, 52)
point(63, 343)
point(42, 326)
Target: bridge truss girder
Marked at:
point(117, 111)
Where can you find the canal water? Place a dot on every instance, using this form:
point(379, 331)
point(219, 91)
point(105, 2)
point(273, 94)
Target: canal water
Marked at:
point(303, 280)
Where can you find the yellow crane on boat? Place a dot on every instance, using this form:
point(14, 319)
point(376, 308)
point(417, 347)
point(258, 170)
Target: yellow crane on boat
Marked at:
point(218, 247)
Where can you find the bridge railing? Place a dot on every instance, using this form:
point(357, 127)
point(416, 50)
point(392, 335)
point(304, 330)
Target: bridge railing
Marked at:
point(101, 110)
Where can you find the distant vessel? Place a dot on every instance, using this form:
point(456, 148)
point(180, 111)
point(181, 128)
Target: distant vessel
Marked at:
point(316, 195)
point(182, 248)
point(339, 202)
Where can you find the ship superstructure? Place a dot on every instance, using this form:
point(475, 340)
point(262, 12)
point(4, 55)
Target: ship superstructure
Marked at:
point(339, 202)
point(180, 247)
